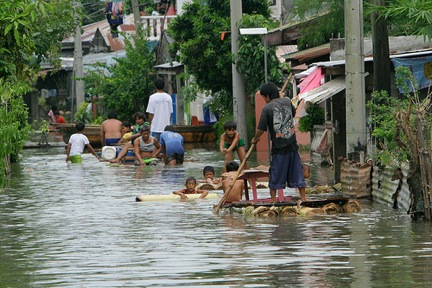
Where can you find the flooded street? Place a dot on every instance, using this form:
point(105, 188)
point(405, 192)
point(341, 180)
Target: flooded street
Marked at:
point(72, 225)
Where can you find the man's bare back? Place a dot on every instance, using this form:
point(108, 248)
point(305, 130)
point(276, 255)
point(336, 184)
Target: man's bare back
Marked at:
point(110, 129)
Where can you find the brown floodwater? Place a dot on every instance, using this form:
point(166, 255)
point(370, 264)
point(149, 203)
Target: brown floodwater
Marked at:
point(72, 225)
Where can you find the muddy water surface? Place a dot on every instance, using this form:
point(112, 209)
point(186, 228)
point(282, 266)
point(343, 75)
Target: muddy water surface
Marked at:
point(79, 226)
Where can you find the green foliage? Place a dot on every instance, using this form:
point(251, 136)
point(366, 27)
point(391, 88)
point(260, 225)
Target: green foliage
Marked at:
point(319, 30)
point(31, 32)
point(316, 28)
point(197, 35)
point(14, 128)
point(382, 116)
point(41, 125)
point(126, 86)
point(250, 60)
point(315, 117)
point(93, 11)
point(393, 120)
point(82, 115)
point(406, 17)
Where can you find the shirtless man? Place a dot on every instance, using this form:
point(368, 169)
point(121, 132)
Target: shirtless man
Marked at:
point(111, 130)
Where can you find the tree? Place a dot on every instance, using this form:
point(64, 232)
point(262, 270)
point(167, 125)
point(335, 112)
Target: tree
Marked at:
point(399, 125)
point(126, 86)
point(251, 52)
point(407, 17)
point(31, 32)
point(319, 30)
point(207, 57)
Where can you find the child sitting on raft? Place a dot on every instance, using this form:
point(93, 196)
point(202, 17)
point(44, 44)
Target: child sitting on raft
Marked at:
point(191, 184)
point(145, 147)
point(127, 133)
point(209, 175)
point(236, 192)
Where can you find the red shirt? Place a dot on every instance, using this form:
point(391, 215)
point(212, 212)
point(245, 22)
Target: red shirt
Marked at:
point(60, 119)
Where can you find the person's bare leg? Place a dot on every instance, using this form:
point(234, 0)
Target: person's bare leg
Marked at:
point(122, 153)
point(228, 158)
point(302, 193)
point(241, 153)
point(273, 195)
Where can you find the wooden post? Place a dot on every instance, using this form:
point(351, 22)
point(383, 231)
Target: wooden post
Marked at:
point(424, 169)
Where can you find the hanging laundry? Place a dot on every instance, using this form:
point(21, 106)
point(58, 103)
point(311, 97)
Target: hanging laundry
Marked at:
point(114, 12)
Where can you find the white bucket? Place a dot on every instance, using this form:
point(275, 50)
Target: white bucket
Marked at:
point(109, 152)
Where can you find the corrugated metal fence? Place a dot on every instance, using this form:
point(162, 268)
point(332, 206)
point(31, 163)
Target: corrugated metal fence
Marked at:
point(383, 185)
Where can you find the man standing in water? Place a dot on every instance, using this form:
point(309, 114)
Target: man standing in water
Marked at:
point(111, 130)
point(278, 116)
point(159, 110)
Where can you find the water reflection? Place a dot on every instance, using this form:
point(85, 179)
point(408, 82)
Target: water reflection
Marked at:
point(78, 226)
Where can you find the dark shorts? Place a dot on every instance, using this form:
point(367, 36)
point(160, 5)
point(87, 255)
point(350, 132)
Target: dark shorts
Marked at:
point(178, 157)
point(112, 141)
point(239, 144)
point(286, 169)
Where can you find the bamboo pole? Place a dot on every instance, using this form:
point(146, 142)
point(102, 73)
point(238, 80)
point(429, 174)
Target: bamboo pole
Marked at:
point(217, 207)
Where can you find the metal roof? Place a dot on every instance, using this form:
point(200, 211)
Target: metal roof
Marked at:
point(324, 91)
point(170, 65)
point(309, 54)
point(416, 53)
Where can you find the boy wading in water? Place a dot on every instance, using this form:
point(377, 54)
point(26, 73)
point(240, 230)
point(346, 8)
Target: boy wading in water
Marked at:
point(76, 145)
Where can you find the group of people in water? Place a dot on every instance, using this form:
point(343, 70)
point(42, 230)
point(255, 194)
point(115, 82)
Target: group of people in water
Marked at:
point(155, 138)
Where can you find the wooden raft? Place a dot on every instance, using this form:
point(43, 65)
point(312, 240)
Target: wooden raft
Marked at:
point(320, 204)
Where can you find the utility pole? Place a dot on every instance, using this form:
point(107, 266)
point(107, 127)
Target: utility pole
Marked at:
point(354, 81)
point(78, 64)
point(136, 13)
point(239, 90)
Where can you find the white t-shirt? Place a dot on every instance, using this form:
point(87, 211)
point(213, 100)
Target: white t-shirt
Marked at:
point(78, 143)
point(160, 105)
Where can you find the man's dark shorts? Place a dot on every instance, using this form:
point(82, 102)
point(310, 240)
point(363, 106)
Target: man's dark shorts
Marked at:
point(179, 157)
point(286, 169)
point(111, 141)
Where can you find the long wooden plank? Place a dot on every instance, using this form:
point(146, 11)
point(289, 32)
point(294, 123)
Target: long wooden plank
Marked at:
point(171, 197)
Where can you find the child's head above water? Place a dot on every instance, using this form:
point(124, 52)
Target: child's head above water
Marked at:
point(190, 183)
point(232, 166)
point(208, 172)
